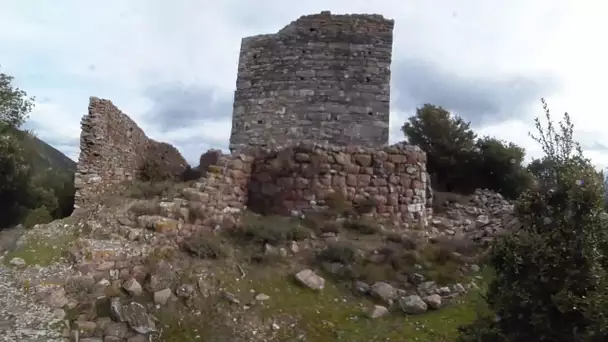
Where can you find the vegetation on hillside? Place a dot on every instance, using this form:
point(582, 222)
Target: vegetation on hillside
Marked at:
point(36, 181)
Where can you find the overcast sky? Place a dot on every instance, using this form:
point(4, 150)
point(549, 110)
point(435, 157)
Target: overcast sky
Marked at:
point(171, 65)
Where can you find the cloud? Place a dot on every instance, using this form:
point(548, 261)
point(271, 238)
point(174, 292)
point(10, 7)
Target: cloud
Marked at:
point(176, 106)
point(482, 100)
point(172, 66)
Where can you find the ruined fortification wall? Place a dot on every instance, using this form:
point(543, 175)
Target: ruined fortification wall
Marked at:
point(113, 149)
point(323, 77)
point(301, 177)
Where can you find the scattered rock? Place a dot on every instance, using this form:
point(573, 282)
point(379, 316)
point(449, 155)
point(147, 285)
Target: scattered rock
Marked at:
point(262, 297)
point(384, 291)
point(138, 319)
point(378, 311)
point(16, 261)
point(310, 279)
point(162, 297)
point(133, 287)
point(412, 305)
point(433, 301)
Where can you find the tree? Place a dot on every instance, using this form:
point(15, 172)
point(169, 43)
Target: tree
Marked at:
point(499, 167)
point(448, 141)
point(15, 105)
point(551, 282)
point(15, 173)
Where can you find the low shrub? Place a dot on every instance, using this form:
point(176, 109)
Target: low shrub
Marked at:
point(39, 215)
point(366, 226)
point(341, 252)
point(205, 246)
point(271, 230)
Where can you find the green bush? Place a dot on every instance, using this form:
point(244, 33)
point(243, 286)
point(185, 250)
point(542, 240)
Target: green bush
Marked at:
point(551, 282)
point(341, 252)
point(39, 215)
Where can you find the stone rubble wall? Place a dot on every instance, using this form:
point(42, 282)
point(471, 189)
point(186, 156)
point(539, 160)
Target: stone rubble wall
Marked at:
point(299, 178)
point(323, 77)
point(113, 148)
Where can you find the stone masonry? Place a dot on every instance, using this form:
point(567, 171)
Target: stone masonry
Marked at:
point(113, 149)
point(298, 179)
point(324, 78)
point(311, 114)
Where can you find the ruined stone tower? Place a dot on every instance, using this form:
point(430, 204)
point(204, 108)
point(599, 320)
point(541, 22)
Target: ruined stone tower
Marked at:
point(323, 77)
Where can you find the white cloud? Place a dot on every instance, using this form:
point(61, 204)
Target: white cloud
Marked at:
point(65, 51)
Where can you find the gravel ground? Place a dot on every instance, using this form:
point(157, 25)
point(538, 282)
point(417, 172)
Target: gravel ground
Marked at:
point(22, 316)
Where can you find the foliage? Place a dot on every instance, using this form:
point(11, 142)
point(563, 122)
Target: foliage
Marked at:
point(29, 178)
point(39, 215)
point(447, 139)
point(458, 161)
point(550, 282)
point(15, 105)
point(498, 166)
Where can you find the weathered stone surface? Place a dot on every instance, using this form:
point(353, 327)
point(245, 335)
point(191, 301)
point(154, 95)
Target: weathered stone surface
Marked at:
point(138, 319)
point(383, 291)
point(412, 305)
point(113, 149)
point(332, 83)
point(162, 297)
point(132, 287)
point(310, 279)
point(378, 311)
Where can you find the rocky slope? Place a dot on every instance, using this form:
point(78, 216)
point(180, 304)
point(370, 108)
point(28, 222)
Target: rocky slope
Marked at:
point(120, 272)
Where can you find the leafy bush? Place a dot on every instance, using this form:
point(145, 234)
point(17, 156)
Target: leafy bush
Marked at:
point(341, 252)
point(39, 215)
point(551, 282)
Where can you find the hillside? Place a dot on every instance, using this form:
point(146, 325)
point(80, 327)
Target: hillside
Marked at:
point(47, 156)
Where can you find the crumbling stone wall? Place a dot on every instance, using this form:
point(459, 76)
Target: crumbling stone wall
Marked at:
point(300, 178)
point(323, 77)
point(113, 149)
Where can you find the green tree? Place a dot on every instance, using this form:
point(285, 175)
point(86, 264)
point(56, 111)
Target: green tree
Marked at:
point(448, 141)
point(498, 167)
point(550, 282)
point(15, 105)
point(15, 173)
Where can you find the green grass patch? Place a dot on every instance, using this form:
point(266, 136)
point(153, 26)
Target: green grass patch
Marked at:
point(333, 314)
point(41, 251)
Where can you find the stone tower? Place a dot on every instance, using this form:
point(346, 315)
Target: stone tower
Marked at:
point(323, 77)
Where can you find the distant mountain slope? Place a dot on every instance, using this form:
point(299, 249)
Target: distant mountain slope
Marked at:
point(47, 156)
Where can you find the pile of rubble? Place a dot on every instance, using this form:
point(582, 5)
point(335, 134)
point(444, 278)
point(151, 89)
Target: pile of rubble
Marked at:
point(486, 215)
